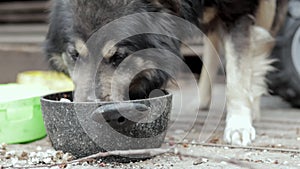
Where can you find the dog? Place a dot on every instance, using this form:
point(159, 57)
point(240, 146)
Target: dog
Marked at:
point(269, 17)
point(246, 46)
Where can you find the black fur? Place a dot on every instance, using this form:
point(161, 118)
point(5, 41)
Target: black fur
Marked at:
point(228, 12)
point(72, 19)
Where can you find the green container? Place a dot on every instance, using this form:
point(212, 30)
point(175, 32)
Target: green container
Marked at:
point(21, 118)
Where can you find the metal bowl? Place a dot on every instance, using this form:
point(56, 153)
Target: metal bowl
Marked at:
point(87, 128)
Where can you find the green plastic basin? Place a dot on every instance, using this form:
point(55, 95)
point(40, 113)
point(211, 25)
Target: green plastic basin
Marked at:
point(21, 118)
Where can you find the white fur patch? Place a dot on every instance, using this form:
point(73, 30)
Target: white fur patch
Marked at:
point(81, 48)
point(109, 49)
point(245, 85)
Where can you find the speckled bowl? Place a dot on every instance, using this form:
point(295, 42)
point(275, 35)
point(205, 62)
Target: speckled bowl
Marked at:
point(87, 128)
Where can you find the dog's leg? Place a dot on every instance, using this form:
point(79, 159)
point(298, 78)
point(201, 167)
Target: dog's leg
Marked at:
point(209, 68)
point(265, 14)
point(262, 45)
point(239, 129)
point(246, 68)
point(264, 18)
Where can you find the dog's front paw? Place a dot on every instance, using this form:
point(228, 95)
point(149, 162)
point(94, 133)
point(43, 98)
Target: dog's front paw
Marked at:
point(239, 131)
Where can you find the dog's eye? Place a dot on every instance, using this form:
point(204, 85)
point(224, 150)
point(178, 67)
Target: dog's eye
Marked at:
point(73, 53)
point(116, 61)
point(116, 55)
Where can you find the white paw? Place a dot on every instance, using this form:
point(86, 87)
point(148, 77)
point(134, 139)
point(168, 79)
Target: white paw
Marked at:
point(239, 131)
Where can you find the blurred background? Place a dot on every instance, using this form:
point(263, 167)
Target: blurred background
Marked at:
point(23, 26)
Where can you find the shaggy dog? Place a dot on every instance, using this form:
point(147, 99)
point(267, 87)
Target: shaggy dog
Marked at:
point(232, 22)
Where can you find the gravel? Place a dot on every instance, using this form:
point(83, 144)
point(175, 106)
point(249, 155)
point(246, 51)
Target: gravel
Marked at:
point(43, 156)
point(21, 158)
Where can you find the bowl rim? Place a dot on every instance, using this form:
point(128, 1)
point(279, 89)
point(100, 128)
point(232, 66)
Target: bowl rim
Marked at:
point(168, 94)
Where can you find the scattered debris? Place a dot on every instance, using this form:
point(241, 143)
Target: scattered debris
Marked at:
point(3, 149)
point(24, 159)
point(63, 166)
point(259, 161)
point(102, 164)
point(3, 146)
point(294, 155)
point(285, 162)
point(224, 162)
point(214, 140)
point(270, 160)
point(185, 145)
point(38, 148)
point(201, 161)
